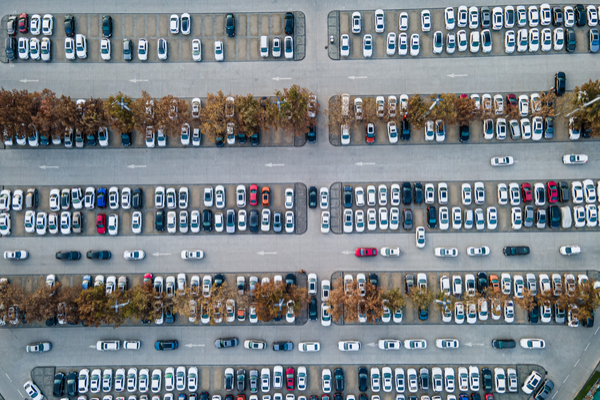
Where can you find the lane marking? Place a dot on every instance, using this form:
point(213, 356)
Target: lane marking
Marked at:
point(554, 395)
point(566, 378)
point(8, 376)
point(20, 393)
point(586, 347)
point(576, 363)
point(596, 330)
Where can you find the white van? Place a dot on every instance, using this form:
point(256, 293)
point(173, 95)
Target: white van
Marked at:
point(264, 46)
point(566, 219)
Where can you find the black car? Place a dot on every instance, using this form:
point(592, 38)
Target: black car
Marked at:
point(242, 138)
point(337, 396)
point(126, 139)
point(418, 189)
point(10, 44)
point(348, 196)
point(580, 15)
point(312, 197)
point(554, 216)
point(424, 379)
point(107, 26)
point(219, 280)
point(59, 385)
point(404, 130)
point(137, 199)
point(560, 83)
point(159, 222)
point(226, 342)
point(127, 49)
point(504, 344)
point(163, 345)
point(283, 346)
point(482, 282)
point(534, 315)
point(374, 279)
point(240, 379)
point(338, 376)
point(486, 17)
point(544, 391)
point(289, 23)
point(463, 133)
point(207, 220)
point(72, 384)
point(68, 255)
point(230, 25)
point(475, 396)
point(90, 139)
point(254, 141)
point(219, 142)
point(290, 279)
point(486, 38)
point(486, 375)
point(50, 322)
point(406, 193)
point(363, 379)
point(409, 282)
point(98, 255)
point(516, 251)
point(253, 221)
point(311, 136)
point(557, 16)
point(571, 40)
point(588, 322)
point(312, 309)
point(169, 316)
point(407, 219)
point(69, 25)
point(431, 217)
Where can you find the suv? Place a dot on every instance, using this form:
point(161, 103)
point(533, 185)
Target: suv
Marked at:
point(516, 250)
point(107, 26)
point(11, 48)
point(347, 196)
point(289, 23)
point(230, 25)
point(560, 82)
point(504, 344)
point(312, 197)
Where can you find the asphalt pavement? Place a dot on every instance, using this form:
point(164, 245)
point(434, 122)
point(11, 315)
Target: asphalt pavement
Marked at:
point(571, 354)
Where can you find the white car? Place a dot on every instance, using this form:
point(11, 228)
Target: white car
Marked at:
point(449, 18)
point(474, 378)
point(379, 21)
point(546, 39)
point(219, 50)
point(589, 191)
point(80, 46)
point(438, 42)
point(478, 251)
point(425, 20)
point(445, 252)
point(475, 42)
point(462, 40)
point(534, 40)
point(69, 48)
point(33, 391)
point(531, 344)
point(105, 49)
point(415, 344)
point(35, 24)
point(356, 22)
point(497, 18)
point(402, 44)
point(390, 48)
point(136, 222)
point(325, 222)
point(450, 43)
point(473, 17)
point(389, 344)
point(462, 18)
point(349, 345)
point(533, 16)
point(420, 237)
point(569, 16)
point(447, 344)
point(390, 252)
point(502, 161)
point(403, 21)
point(367, 46)
point(134, 255)
point(345, 45)
point(575, 159)
point(509, 42)
point(443, 193)
point(570, 250)
point(559, 39)
point(415, 44)
point(196, 50)
point(142, 50)
point(325, 380)
point(532, 381)
point(174, 24)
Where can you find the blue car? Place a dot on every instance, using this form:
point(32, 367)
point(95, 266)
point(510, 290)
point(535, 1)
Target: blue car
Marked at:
point(86, 282)
point(101, 198)
point(162, 345)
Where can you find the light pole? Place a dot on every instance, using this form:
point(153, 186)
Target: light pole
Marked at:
point(583, 106)
point(117, 306)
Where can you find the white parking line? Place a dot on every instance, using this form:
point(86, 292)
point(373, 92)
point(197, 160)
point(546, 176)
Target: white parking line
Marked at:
point(566, 378)
point(576, 363)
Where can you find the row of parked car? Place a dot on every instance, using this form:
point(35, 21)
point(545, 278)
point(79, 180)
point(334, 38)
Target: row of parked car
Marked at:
point(496, 18)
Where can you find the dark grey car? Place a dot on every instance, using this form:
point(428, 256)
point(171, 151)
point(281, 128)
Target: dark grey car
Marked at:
point(253, 381)
point(277, 221)
point(127, 49)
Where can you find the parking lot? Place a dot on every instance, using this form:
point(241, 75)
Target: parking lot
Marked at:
point(417, 136)
point(206, 27)
point(340, 22)
point(195, 202)
point(211, 378)
point(391, 280)
point(454, 200)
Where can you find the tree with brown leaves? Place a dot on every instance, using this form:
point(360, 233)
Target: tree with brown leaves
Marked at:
point(395, 299)
point(466, 110)
point(213, 120)
point(10, 296)
point(94, 117)
point(170, 113)
point(45, 119)
point(120, 118)
point(336, 115)
point(69, 295)
point(93, 306)
point(421, 298)
point(445, 108)
point(337, 298)
point(547, 105)
point(248, 115)
point(294, 110)
point(369, 110)
point(417, 112)
point(143, 111)
point(42, 304)
point(527, 302)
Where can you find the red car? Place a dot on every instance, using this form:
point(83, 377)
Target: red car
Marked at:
point(101, 223)
point(511, 100)
point(526, 192)
point(148, 278)
point(253, 195)
point(464, 96)
point(489, 396)
point(240, 397)
point(289, 379)
point(552, 191)
point(365, 252)
point(23, 23)
point(370, 133)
